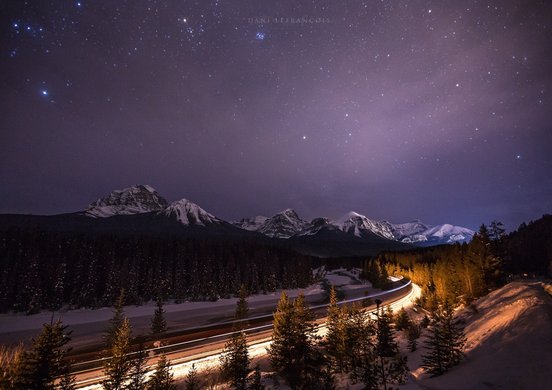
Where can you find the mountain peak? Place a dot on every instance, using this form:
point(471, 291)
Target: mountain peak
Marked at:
point(137, 199)
point(189, 213)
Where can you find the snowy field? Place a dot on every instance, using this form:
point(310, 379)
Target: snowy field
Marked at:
point(341, 278)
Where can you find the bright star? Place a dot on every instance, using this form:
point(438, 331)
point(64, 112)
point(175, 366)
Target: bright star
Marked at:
point(44, 92)
point(79, 4)
point(518, 157)
point(260, 36)
point(304, 137)
point(457, 84)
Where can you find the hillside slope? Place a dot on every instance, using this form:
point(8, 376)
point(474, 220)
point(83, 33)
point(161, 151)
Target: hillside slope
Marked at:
point(509, 343)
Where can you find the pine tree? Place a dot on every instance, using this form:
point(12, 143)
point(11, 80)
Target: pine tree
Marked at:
point(192, 382)
point(45, 362)
point(235, 357)
point(117, 367)
point(235, 361)
point(292, 353)
point(336, 335)
point(391, 367)
point(402, 320)
point(242, 308)
point(445, 342)
point(115, 321)
point(162, 378)
point(413, 333)
point(158, 322)
point(360, 347)
point(137, 380)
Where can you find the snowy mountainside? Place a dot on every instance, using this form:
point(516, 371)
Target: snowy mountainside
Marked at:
point(447, 234)
point(189, 213)
point(251, 224)
point(359, 225)
point(283, 225)
point(287, 224)
point(137, 199)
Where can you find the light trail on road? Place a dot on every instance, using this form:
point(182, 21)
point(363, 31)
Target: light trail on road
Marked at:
point(181, 365)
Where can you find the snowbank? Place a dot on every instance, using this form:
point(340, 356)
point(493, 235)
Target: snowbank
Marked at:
point(509, 343)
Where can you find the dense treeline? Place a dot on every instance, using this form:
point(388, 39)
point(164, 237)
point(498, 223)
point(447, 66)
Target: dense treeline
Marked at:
point(529, 249)
point(452, 272)
point(46, 270)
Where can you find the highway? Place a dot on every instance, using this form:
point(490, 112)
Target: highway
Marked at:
point(204, 344)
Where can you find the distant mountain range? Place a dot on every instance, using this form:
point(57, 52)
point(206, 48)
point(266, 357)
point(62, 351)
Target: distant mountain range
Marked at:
point(142, 209)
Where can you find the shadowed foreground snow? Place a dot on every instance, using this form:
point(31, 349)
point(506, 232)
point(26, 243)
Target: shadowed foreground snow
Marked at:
point(509, 343)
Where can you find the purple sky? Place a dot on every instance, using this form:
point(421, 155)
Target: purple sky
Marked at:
point(436, 110)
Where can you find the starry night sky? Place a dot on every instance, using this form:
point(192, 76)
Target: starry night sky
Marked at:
point(437, 110)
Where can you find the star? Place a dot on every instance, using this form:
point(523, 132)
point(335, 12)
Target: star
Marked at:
point(518, 157)
point(304, 137)
point(44, 92)
point(260, 36)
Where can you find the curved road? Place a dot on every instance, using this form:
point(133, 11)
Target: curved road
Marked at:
point(202, 342)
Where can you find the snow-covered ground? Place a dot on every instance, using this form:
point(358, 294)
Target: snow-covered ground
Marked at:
point(509, 343)
point(88, 323)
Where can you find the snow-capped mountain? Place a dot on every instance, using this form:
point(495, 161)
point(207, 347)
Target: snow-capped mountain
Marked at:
point(251, 224)
point(360, 225)
point(407, 229)
point(189, 213)
point(287, 224)
point(137, 199)
point(447, 234)
point(316, 226)
point(282, 225)
point(143, 199)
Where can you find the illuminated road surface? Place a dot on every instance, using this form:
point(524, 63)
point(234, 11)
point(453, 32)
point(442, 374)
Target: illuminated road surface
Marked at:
point(207, 354)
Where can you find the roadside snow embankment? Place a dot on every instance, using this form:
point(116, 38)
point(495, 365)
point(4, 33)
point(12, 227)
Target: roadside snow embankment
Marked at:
point(509, 342)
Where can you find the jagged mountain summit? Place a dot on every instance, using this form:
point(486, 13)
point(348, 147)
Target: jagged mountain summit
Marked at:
point(143, 199)
point(359, 225)
point(137, 199)
point(189, 213)
point(287, 224)
point(283, 225)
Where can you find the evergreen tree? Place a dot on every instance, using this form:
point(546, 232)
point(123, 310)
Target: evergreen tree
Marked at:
point(335, 343)
point(235, 357)
point(445, 342)
point(192, 382)
point(45, 362)
point(137, 380)
point(402, 320)
point(158, 322)
point(391, 366)
point(162, 378)
point(292, 352)
point(235, 361)
point(242, 308)
point(413, 333)
point(360, 347)
point(116, 368)
point(116, 321)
